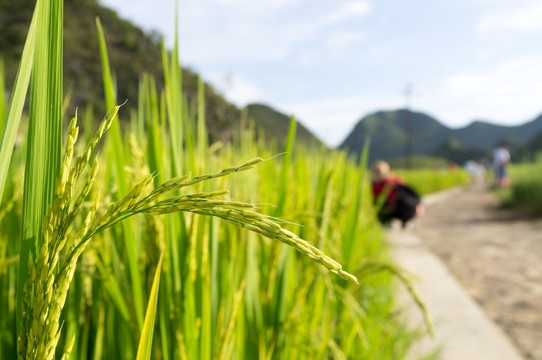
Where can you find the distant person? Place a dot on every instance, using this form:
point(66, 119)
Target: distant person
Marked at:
point(476, 169)
point(394, 199)
point(501, 161)
point(452, 166)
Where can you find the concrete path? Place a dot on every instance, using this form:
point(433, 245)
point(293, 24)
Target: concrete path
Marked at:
point(462, 330)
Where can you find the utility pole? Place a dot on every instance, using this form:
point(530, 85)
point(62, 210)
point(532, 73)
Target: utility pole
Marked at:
point(407, 92)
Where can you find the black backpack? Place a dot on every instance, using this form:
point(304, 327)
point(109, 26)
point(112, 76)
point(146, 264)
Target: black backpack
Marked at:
point(407, 201)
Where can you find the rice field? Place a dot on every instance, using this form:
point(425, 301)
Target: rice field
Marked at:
point(427, 181)
point(138, 239)
point(526, 186)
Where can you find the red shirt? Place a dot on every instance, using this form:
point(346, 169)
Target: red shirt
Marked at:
point(387, 186)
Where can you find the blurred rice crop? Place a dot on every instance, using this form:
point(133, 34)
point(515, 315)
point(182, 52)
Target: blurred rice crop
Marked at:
point(525, 190)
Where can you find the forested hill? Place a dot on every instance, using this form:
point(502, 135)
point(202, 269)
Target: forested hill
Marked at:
point(132, 52)
point(276, 124)
point(386, 130)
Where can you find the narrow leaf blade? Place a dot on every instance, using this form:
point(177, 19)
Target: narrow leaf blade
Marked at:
point(145, 342)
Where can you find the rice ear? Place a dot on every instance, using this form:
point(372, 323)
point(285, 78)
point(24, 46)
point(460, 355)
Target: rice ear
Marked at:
point(44, 137)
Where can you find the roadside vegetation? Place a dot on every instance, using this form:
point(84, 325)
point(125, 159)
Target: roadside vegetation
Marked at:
point(525, 190)
point(426, 181)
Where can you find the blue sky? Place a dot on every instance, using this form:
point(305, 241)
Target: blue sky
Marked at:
point(332, 62)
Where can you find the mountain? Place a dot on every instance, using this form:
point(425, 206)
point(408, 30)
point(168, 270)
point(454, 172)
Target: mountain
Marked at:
point(132, 52)
point(454, 151)
point(386, 130)
point(532, 149)
point(480, 133)
point(275, 125)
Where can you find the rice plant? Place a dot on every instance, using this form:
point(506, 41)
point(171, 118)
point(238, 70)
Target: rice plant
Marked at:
point(430, 181)
point(124, 254)
point(524, 191)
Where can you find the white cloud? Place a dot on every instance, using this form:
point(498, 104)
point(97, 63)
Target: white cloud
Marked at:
point(306, 58)
point(157, 15)
point(332, 119)
point(508, 93)
point(348, 10)
point(345, 38)
point(526, 18)
point(260, 4)
point(243, 34)
point(236, 88)
point(229, 31)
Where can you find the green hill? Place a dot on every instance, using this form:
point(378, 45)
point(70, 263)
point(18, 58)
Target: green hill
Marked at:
point(485, 134)
point(275, 126)
point(429, 137)
point(386, 130)
point(132, 52)
point(532, 149)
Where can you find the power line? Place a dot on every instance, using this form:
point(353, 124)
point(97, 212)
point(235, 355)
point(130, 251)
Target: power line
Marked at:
point(407, 92)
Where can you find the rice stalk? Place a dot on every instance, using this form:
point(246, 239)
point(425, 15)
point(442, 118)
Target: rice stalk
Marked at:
point(49, 279)
point(44, 137)
point(46, 288)
point(226, 347)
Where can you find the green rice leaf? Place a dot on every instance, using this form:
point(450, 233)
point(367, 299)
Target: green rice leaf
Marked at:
point(16, 104)
point(119, 161)
point(44, 134)
point(145, 342)
point(174, 102)
point(2, 97)
point(202, 130)
point(110, 98)
point(357, 196)
point(284, 179)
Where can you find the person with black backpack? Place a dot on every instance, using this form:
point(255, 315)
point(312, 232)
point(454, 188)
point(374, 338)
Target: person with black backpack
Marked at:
point(392, 197)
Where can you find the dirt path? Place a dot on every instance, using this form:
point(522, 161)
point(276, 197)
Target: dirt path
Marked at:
point(496, 255)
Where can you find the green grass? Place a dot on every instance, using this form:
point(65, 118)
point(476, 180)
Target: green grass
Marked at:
point(430, 181)
point(419, 162)
point(525, 190)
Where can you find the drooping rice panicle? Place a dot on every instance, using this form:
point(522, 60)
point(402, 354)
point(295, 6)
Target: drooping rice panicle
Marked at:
point(49, 280)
